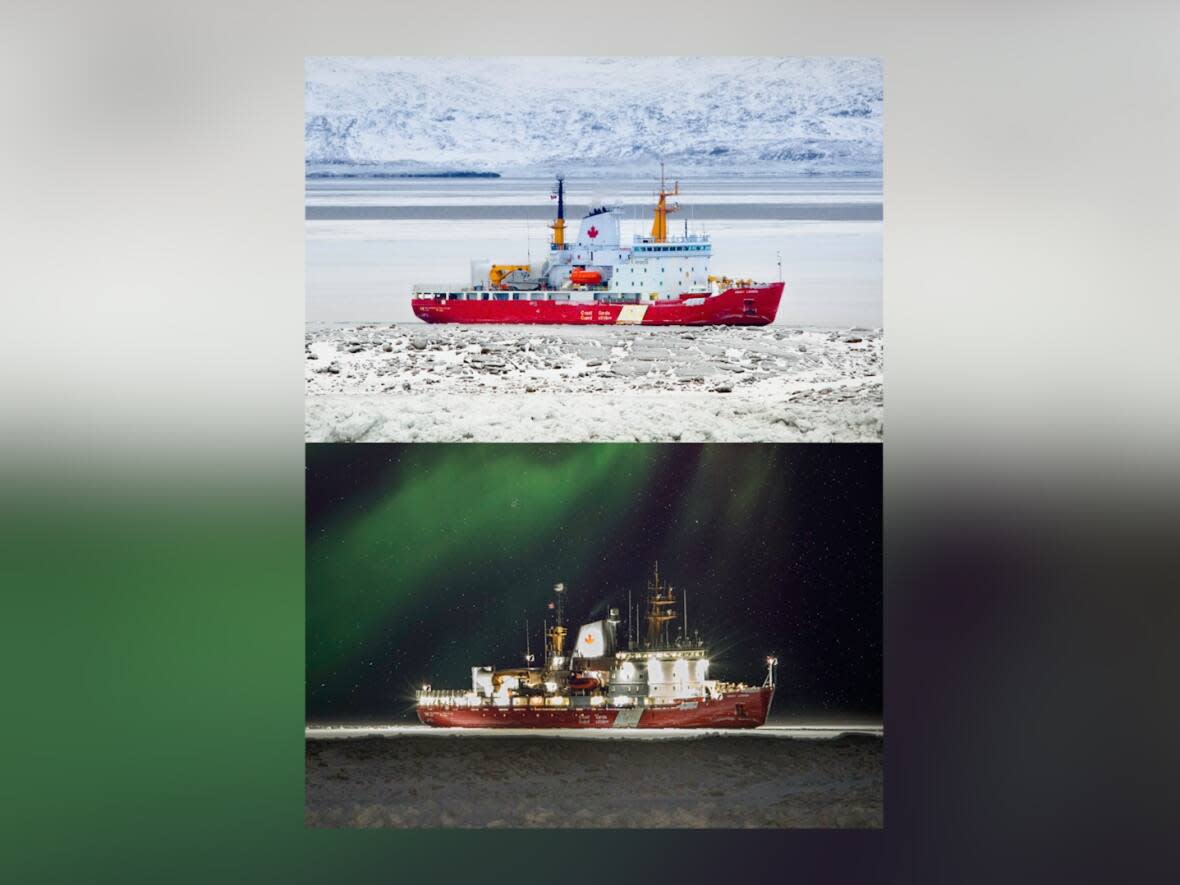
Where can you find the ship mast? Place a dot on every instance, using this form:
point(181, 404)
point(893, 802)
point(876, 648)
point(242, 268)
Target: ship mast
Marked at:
point(558, 225)
point(659, 224)
point(660, 611)
point(557, 631)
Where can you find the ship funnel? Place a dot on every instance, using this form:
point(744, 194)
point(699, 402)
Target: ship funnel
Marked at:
point(595, 640)
point(599, 229)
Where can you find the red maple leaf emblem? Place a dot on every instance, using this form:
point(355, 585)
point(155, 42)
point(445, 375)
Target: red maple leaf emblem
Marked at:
point(589, 636)
point(593, 232)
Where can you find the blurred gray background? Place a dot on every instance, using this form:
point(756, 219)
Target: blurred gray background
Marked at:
point(151, 453)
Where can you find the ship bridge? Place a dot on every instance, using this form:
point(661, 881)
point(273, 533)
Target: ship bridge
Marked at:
point(688, 245)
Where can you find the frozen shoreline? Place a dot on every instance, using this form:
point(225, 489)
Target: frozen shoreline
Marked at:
point(795, 732)
point(518, 781)
point(420, 383)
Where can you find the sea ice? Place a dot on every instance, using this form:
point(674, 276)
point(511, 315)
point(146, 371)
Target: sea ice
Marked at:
point(399, 383)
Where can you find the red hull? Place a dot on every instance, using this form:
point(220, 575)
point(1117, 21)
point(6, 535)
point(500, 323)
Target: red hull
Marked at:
point(753, 306)
point(743, 709)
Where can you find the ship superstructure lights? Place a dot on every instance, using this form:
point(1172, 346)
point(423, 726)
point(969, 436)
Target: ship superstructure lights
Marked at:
point(448, 699)
point(676, 678)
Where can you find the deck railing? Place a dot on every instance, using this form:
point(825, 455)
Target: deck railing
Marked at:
point(691, 238)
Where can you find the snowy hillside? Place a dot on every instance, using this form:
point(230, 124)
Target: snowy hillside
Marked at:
point(781, 115)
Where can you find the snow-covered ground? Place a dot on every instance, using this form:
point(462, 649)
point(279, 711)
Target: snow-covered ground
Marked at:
point(402, 383)
point(516, 780)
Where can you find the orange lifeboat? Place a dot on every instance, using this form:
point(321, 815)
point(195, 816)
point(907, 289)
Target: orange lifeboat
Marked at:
point(585, 277)
point(583, 683)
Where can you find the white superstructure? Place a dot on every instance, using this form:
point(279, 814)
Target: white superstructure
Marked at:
point(654, 268)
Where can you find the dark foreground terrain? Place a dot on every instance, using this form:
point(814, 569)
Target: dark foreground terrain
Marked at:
point(524, 781)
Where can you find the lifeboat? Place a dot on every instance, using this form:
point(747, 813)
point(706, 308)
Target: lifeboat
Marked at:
point(584, 277)
point(583, 683)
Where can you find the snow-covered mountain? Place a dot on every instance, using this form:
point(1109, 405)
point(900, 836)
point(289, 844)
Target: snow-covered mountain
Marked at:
point(782, 115)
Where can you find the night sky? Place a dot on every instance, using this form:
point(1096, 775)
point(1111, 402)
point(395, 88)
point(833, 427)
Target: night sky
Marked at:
point(424, 560)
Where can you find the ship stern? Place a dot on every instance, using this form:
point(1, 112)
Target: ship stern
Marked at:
point(426, 310)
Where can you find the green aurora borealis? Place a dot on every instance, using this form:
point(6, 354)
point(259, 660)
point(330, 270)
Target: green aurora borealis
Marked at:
point(424, 560)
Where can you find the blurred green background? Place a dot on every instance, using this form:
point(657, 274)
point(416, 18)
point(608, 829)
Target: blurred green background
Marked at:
point(154, 696)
